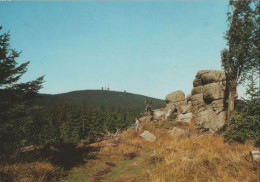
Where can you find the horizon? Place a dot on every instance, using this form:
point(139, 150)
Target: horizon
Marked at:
point(146, 48)
point(119, 91)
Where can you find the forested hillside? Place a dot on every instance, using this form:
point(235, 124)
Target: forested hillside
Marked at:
point(99, 98)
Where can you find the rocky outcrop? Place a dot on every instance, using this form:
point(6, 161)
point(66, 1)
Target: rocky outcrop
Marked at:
point(205, 104)
point(207, 98)
point(174, 97)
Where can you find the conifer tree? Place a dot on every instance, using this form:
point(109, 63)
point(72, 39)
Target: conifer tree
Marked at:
point(245, 123)
point(14, 97)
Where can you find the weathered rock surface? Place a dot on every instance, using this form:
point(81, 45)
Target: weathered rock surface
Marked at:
point(175, 132)
point(174, 97)
point(197, 101)
point(197, 90)
point(185, 117)
point(159, 114)
point(255, 154)
point(186, 108)
point(208, 99)
point(213, 91)
point(170, 109)
point(146, 135)
point(211, 120)
point(211, 76)
point(205, 103)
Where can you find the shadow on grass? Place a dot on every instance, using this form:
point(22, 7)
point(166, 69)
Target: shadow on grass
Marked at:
point(65, 155)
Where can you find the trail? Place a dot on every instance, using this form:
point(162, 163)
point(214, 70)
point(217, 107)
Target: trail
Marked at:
point(99, 176)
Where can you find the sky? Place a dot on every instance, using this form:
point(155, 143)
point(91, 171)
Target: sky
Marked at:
point(150, 48)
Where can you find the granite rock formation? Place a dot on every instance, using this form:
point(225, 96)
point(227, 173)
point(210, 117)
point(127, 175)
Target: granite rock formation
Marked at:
point(205, 105)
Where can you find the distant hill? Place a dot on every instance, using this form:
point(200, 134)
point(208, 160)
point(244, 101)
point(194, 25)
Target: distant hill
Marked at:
point(98, 98)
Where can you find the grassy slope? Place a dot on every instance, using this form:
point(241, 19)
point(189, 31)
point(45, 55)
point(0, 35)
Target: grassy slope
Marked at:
point(198, 158)
point(99, 97)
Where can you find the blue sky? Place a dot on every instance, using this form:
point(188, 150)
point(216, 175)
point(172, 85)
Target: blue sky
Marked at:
point(145, 47)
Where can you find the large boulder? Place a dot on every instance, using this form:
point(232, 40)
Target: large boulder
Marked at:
point(204, 77)
point(211, 120)
point(197, 81)
point(197, 101)
point(212, 76)
point(174, 97)
point(213, 91)
point(146, 135)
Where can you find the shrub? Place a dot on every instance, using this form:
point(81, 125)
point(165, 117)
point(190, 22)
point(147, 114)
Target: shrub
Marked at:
point(243, 127)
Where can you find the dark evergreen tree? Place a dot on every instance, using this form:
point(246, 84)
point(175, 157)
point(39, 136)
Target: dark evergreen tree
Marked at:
point(245, 123)
point(15, 98)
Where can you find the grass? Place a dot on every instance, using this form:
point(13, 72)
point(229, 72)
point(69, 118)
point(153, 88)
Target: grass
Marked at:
point(197, 157)
point(29, 172)
point(204, 159)
point(129, 169)
point(83, 173)
point(200, 158)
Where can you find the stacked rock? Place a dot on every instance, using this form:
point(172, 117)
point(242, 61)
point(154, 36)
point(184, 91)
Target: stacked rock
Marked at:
point(178, 107)
point(205, 103)
point(207, 98)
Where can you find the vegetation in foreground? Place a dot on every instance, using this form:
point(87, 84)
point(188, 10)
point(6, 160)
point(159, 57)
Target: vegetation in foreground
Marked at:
point(127, 157)
point(194, 157)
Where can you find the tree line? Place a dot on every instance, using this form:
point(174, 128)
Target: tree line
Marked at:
point(23, 123)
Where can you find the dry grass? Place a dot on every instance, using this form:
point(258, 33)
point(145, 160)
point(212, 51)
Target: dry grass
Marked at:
point(197, 158)
point(29, 172)
point(204, 159)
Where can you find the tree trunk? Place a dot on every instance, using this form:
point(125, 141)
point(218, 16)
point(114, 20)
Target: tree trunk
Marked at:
point(232, 90)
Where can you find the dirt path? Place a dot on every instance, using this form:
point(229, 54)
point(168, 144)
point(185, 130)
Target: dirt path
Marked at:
point(99, 176)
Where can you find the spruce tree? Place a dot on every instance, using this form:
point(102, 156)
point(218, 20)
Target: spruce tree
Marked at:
point(245, 123)
point(15, 97)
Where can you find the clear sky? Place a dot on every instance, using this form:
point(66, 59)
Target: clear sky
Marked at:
point(145, 47)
